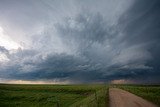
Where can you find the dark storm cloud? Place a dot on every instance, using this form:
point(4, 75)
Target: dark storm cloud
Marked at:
point(141, 25)
point(142, 21)
point(93, 47)
point(3, 49)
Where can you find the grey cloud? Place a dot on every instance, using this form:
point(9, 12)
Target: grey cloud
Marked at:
point(3, 49)
point(88, 47)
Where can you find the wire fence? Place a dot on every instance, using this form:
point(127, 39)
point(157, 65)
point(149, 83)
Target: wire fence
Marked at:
point(97, 99)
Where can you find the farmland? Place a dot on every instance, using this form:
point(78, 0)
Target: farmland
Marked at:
point(148, 92)
point(84, 95)
point(53, 95)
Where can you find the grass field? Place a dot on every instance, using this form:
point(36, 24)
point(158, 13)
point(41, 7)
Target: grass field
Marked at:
point(89, 95)
point(148, 92)
point(53, 95)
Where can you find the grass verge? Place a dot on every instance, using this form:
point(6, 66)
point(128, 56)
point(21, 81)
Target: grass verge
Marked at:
point(99, 98)
point(148, 92)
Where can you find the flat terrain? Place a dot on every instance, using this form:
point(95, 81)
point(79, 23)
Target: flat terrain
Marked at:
point(85, 95)
point(121, 98)
point(12, 95)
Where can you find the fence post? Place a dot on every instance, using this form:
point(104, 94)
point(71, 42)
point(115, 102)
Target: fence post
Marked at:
point(96, 99)
point(58, 103)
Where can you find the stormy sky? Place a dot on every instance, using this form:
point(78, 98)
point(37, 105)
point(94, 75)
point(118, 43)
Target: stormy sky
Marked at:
point(80, 41)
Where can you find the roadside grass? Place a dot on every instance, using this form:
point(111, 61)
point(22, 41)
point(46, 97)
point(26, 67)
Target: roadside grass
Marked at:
point(100, 98)
point(148, 92)
point(52, 95)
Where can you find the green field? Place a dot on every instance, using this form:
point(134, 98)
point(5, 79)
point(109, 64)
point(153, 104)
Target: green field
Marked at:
point(148, 92)
point(89, 95)
point(53, 95)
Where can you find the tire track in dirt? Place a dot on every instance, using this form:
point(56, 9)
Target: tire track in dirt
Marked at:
point(121, 98)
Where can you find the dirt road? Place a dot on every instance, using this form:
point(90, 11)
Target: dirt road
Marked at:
point(121, 98)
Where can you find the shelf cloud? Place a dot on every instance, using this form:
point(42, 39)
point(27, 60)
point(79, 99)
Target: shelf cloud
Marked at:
point(80, 41)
